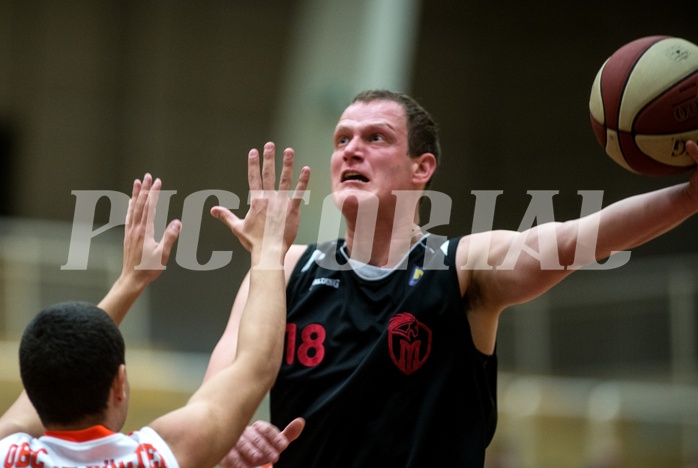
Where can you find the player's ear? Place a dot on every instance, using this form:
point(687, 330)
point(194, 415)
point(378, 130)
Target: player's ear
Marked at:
point(119, 386)
point(423, 166)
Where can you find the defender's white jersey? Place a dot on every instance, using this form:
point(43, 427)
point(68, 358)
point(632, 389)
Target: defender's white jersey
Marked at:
point(96, 447)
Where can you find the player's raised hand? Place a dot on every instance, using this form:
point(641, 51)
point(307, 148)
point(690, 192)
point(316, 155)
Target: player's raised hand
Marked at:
point(271, 223)
point(144, 257)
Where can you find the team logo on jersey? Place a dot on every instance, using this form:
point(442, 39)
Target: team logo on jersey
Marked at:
point(409, 342)
point(417, 274)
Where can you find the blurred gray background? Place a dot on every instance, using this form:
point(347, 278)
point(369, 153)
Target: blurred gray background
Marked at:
point(95, 93)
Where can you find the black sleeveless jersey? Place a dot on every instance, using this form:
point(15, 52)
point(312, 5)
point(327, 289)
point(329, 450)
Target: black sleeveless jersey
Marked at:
point(382, 365)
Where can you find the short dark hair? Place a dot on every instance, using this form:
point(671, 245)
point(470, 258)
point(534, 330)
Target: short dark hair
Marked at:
point(68, 357)
point(422, 131)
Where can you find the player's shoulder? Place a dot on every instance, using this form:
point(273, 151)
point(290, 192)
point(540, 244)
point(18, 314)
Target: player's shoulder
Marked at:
point(15, 437)
point(295, 252)
point(9, 444)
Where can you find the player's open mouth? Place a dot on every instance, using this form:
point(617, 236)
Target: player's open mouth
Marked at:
point(353, 175)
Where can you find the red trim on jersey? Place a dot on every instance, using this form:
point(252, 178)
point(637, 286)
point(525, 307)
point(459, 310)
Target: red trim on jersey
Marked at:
point(83, 435)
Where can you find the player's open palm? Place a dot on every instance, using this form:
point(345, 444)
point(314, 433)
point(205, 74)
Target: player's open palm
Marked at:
point(271, 223)
point(145, 257)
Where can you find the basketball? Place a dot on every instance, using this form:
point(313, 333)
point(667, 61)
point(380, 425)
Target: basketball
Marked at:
point(644, 105)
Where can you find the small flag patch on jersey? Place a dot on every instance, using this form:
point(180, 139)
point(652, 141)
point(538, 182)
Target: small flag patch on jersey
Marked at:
point(416, 275)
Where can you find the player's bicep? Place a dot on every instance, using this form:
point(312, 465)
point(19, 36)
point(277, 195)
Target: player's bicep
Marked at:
point(519, 266)
point(486, 272)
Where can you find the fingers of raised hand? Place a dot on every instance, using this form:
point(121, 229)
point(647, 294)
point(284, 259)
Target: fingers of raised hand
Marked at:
point(301, 186)
point(149, 211)
point(226, 216)
point(253, 166)
point(268, 167)
point(267, 179)
point(168, 239)
point(286, 170)
point(143, 205)
point(131, 201)
point(139, 196)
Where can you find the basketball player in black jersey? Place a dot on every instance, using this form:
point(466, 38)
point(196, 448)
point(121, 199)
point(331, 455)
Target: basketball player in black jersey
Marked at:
point(390, 342)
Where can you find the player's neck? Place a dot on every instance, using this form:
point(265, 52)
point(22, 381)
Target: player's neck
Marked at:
point(385, 246)
point(80, 425)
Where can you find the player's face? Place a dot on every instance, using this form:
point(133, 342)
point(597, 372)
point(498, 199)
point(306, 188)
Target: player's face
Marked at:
point(371, 151)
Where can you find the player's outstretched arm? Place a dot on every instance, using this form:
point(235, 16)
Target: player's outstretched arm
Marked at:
point(138, 244)
point(621, 226)
point(202, 432)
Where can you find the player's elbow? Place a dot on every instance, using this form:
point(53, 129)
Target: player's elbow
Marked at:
point(568, 242)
